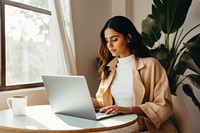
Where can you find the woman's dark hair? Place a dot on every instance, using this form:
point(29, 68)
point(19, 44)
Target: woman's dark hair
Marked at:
point(124, 26)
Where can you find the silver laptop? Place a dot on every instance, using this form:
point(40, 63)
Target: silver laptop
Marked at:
point(70, 95)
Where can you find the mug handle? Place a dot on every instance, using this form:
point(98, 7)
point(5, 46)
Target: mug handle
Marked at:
point(9, 102)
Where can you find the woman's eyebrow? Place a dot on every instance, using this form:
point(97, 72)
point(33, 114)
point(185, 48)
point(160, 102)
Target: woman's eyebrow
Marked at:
point(113, 36)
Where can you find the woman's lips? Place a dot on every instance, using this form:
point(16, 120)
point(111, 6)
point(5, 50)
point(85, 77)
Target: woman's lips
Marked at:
point(112, 50)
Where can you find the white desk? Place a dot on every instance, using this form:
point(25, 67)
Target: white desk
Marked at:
point(41, 119)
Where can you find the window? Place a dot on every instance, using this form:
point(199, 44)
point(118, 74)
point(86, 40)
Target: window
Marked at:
point(25, 43)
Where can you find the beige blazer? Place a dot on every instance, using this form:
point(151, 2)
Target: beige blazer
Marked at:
point(151, 94)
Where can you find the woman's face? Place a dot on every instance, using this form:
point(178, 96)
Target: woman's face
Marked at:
point(116, 43)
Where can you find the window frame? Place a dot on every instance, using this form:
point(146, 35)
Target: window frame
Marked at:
point(3, 86)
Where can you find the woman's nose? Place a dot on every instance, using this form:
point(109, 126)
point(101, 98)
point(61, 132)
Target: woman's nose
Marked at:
point(109, 44)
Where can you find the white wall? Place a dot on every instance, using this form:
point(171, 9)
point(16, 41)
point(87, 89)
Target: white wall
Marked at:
point(140, 10)
point(89, 17)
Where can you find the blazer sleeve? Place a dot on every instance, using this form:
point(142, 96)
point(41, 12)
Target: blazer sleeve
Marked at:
point(100, 92)
point(103, 94)
point(159, 106)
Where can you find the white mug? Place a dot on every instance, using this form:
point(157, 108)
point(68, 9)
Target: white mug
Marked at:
point(17, 104)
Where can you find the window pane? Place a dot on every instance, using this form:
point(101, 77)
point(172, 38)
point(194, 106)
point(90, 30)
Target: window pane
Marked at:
point(37, 3)
point(27, 46)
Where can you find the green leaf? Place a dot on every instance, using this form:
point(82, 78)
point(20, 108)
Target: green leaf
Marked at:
point(195, 80)
point(196, 58)
point(151, 32)
point(189, 92)
point(180, 68)
point(160, 53)
point(187, 60)
point(148, 40)
point(193, 45)
point(170, 14)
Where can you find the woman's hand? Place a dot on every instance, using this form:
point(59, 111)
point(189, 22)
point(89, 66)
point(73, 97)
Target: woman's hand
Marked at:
point(96, 103)
point(114, 109)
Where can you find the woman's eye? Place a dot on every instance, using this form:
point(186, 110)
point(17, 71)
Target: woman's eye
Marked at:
point(114, 39)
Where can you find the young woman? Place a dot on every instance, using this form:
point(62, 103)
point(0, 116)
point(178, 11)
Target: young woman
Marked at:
point(131, 80)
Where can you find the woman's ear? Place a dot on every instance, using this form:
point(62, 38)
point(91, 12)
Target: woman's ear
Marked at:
point(129, 37)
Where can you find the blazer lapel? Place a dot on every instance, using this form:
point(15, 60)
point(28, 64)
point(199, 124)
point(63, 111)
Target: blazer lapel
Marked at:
point(138, 89)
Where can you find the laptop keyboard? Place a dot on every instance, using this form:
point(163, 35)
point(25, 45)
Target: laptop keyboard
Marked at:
point(101, 114)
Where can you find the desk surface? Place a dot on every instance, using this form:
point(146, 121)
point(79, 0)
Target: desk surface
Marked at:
point(41, 119)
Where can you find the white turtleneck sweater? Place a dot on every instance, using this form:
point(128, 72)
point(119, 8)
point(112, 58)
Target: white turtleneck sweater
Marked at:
point(122, 86)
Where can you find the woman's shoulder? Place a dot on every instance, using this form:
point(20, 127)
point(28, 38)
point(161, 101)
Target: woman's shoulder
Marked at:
point(152, 64)
point(150, 60)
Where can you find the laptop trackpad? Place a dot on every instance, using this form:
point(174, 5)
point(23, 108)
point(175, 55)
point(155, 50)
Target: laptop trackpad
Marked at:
point(100, 115)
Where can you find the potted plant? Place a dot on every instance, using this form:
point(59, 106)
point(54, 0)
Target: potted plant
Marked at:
point(175, 54)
